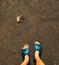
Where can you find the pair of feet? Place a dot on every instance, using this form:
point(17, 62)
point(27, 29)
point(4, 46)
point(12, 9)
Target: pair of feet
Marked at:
point(36, 53)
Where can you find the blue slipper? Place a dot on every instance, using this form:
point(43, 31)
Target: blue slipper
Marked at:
point(26, 51)
point(38, 47)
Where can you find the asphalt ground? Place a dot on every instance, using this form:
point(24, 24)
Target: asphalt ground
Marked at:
point(41, 23)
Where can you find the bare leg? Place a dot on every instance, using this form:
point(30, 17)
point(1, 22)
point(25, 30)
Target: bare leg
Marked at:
point(37, 58)
point(26, 58)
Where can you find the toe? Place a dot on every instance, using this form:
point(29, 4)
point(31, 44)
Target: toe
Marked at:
point(37, 42)
point(26, 46)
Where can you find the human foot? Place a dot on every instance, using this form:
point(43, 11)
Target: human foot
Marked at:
point(37, 49)
point(25, 52)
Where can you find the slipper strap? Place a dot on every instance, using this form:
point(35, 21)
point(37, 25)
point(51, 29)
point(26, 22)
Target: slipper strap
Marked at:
point(25, 52)
point(38, 47)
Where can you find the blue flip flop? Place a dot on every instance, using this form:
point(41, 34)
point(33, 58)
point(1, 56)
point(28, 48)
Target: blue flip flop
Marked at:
point(38, 47)
point(26, 51)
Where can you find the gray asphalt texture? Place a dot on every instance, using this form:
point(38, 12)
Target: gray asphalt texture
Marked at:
point(41, 23)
